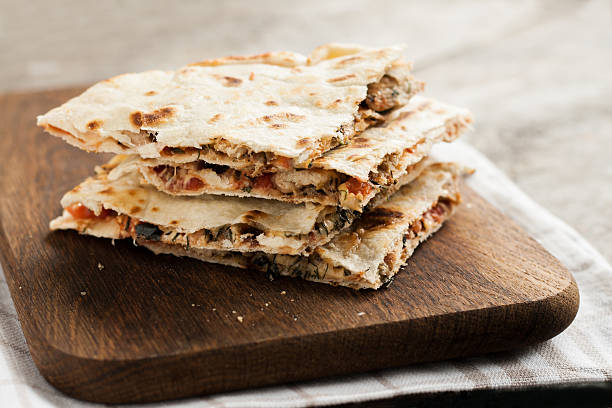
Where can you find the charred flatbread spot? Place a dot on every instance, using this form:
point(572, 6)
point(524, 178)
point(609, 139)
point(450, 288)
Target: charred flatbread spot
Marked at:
point(215, 118)
point(132, 192)
point(230, 81)
point(252, 76)
point(407, 114)
point(135, 209)
point(155, 209)
point(334, 103)
point(150, 93)
point(141, 201)
point(76, 189)
point(341, 78)
point(283, 116)
point(271, 103)
point(107, 190)
point(303, 142)
point(345, 61)
point(174, 222)
point(140, 119)
point(94, 124)
point(278, 125)
point(136, 118)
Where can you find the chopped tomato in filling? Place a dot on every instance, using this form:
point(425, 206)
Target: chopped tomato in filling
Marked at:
point(80, 212)
point(194, 183)
point(264, 181)
point(357, 187)
point(436, 212)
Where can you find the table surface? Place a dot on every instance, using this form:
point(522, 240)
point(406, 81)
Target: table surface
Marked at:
point(535, 74)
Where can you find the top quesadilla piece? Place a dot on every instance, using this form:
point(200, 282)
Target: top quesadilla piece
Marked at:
point(274, 110)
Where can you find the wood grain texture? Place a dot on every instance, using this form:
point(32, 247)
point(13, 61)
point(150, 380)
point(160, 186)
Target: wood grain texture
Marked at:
point(148, 328)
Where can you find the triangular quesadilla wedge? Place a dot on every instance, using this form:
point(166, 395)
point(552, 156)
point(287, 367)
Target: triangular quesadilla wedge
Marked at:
point(117, 204)
point(371, 252)
point(348, 176)
point(264, 112)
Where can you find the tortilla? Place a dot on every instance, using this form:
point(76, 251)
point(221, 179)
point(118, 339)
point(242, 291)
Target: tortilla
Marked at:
point(366, 255)
point(116, 201)
point(348, 176)
point(274, 110)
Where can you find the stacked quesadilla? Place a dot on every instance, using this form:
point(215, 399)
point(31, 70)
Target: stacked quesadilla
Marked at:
point(302, 166)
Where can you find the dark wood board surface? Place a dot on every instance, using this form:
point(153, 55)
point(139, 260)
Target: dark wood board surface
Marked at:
point(147, 328)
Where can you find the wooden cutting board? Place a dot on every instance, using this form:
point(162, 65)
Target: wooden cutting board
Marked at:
point(117, 324)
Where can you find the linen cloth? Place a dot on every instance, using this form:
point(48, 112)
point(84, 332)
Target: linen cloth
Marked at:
point(582, 353)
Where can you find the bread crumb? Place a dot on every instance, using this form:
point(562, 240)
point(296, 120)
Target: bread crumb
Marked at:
point(360, 313)
point(267, 304)
point(233, 312)
point(214, 309)
point(193, 305)
point(292, 299)
point(240, 318)
point(100, 266)
point(283, 293)
point(83, 293)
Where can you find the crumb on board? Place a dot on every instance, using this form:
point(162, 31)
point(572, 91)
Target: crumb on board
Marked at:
point(83, 293)
point(292, 299)
point(100, 266)
point(239, 318)
point(360, 313)
point(267, 304)
point(233, 312)
point(283, 292)
point(214, 309)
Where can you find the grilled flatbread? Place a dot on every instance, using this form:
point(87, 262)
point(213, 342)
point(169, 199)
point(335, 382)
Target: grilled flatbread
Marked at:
point(348, 176)
point(257, 113)
point(116, 203)
point(366, 255)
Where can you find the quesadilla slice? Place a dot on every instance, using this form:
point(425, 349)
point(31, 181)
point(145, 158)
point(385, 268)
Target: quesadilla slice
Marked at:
point(366, 255)
point(117, 204)
point(259, 113)
point(371, 252)
point(348, 176)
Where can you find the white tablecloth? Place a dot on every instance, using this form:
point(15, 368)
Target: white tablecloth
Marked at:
point(582, 353)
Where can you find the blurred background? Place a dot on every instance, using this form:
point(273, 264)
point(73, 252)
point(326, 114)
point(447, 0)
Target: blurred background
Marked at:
point(536, 74)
